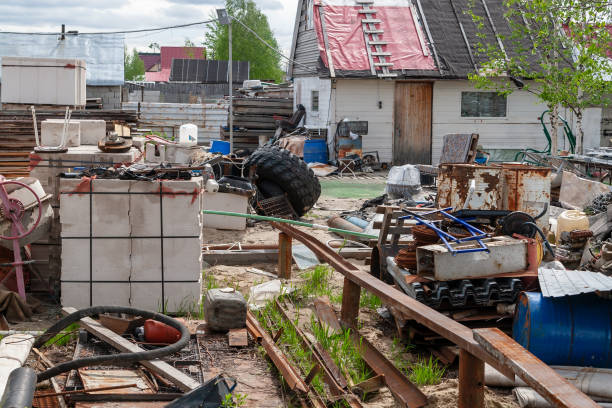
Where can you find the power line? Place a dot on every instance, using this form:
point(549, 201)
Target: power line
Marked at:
point(119, 32)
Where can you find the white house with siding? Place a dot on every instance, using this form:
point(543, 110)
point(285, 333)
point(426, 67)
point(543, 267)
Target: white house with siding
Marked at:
point(403, 67)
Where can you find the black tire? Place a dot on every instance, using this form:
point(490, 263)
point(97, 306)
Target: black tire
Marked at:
point(290, 173)
point(270, 189)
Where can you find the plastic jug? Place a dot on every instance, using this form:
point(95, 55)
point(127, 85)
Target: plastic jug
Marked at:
point(571, 220)
point(188, 135)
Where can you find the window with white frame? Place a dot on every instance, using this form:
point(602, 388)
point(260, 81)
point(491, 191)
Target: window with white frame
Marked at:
point(483, 105)
point(314, 101)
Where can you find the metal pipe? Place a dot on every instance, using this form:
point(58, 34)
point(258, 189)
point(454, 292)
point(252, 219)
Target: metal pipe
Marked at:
point(292, 222)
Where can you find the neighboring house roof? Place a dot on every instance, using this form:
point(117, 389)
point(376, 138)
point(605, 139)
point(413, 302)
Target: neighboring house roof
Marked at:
point(170, 53)
point(150, 59)
point(103, 53)
point(161, 76)
point(208, 71)
point(426, 38)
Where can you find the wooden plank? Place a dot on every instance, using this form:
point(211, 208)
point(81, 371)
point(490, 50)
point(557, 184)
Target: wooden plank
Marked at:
point(471, 381)
point(351, 293)
point(542, 378)
point(178, 378)
point(56, 387)
point(284, 256)
point(238, 337)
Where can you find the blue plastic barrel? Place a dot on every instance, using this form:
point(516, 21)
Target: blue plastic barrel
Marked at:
point(220, 146)
point(571, 330)
point(315, 150)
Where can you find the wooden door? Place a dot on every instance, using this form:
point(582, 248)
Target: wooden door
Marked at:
point(412, 123)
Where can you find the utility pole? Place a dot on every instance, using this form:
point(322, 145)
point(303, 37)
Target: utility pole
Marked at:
point(226, 19)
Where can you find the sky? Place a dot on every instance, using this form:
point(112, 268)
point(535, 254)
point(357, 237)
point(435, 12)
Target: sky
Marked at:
point(117, 15)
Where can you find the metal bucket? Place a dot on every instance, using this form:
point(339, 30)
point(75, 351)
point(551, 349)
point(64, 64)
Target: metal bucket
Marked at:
point(573, 330)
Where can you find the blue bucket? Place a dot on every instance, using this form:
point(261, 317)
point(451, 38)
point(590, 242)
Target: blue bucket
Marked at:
point(571, 330)
point(315, 150)
point(220, 146)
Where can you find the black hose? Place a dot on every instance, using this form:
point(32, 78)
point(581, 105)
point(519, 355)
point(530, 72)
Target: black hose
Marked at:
point(116, 359)
point(539, 231)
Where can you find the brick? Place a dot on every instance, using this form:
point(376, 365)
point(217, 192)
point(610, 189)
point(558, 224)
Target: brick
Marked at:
point(110, 216)
point(51, 133)
point(92, 131)
point(111, 259)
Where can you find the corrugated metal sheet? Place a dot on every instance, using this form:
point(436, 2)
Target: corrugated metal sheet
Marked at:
point(168, 117)
point(102, 53)
point(558, 283)
point(208, 71)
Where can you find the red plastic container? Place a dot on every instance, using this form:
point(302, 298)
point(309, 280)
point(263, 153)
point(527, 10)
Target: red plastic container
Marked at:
point(158, 332)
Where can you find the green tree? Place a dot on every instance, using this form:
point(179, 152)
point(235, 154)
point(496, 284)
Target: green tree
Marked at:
point(190, 54)
point(133, 66)
point(264, 62)
point(556, 49)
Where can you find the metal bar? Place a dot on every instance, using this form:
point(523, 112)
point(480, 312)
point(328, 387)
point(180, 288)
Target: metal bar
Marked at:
point(278, 358)
point(401, 387)
point(542, 378)
point(444, 326)
point(471, 381)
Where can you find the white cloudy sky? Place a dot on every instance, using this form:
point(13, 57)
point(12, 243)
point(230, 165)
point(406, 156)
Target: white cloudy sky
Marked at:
point(116, 15)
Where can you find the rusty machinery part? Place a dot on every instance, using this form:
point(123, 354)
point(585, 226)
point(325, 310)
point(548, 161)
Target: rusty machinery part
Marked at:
point(112, 143)
point(16, 210)
point(406, 257)
point(580, 234)
point(116, 359)
point(424, 235)
point(518, 223)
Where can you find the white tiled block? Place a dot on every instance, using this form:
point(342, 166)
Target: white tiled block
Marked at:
point(155, 154)
point(103, 294)
point(180, 297)
point(75, 259)
point(182, 211)
point(182, 259)
point(111, 259)
point(225, 202)
point(111, 211)
point(51, 133)
point(92, 131)
point(146, 260)
point(74, 208)
point(144, 209)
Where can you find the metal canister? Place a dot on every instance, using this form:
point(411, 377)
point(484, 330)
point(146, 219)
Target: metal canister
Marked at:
point(570, 330)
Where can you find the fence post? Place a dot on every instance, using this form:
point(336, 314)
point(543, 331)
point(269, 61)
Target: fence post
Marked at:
point(471, 381)
point(350, 302)
point(284, 256)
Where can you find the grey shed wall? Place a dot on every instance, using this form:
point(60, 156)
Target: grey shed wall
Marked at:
point(111, 95)
point(305, 50)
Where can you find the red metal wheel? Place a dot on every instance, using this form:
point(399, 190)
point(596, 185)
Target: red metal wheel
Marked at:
point(13, 209)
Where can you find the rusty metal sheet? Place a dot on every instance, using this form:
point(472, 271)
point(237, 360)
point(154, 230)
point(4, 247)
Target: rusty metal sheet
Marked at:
point(454, 187)
point(527, 189)
point(111, 378)
point(127, 404)
point(542, 378)
point(43, 401)
point(238, 338)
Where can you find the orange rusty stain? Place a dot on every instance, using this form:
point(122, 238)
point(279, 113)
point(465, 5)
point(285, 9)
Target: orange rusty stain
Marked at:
point(84, 187)
point(34, 161)
point(167, 191)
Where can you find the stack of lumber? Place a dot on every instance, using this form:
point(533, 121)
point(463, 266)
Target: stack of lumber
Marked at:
point(94, 103)
point(254, 117)
point(17, 134)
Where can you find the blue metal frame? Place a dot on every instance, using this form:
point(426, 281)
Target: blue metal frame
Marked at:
point(477, 235)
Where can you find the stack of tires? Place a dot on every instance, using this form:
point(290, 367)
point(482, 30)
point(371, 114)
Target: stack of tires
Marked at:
point(280, 172)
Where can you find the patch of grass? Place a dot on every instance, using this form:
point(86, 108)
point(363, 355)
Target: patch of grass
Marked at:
point(341, 189)
point(397, 355)
point(317, 281)
point(66, 336)
point(209, 280)
point(228, 401)
point(369, 300)
point(426, 371)
point(342, 350)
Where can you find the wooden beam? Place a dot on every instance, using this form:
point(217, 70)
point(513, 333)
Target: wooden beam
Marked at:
point(178, 378)
point(471, 381)
point(56, 388)
point(542, 378)
point(351, 293)
point(285, 258)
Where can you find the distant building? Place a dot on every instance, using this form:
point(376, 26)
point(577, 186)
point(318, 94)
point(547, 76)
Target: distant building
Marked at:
point(168, 54)
point(152, 61)
point(103, 55)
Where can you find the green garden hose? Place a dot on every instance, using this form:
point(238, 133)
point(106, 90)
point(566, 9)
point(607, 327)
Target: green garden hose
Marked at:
point(292, 222)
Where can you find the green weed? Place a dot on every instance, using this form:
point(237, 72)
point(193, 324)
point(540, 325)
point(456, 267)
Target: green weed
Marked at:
point(397, 355)
point(426, 371)
point(317, 281)
point(66, 336)
point(228, 401)
point(209, 280)
point(369, 301)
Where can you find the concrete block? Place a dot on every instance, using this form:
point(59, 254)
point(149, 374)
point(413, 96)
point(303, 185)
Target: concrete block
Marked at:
point(146, 260)
point(155, 153)
point(144, 209)
point(103, 294)
point(111, 259)
point(110, 216)
point(75, 259)
point(51, 133)
point(74, 208)
point(182, 211)
point(182, 259)
point(179, 297)
point(92, 131)
point(75, 295)
point(225, 202)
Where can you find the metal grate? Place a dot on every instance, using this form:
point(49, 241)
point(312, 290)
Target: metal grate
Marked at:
point(278, 207)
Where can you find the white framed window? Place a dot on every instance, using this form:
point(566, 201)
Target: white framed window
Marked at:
point(314, 101)
point(483, 105)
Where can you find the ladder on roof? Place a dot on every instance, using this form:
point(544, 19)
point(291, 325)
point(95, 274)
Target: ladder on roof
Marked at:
point(379, 64)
